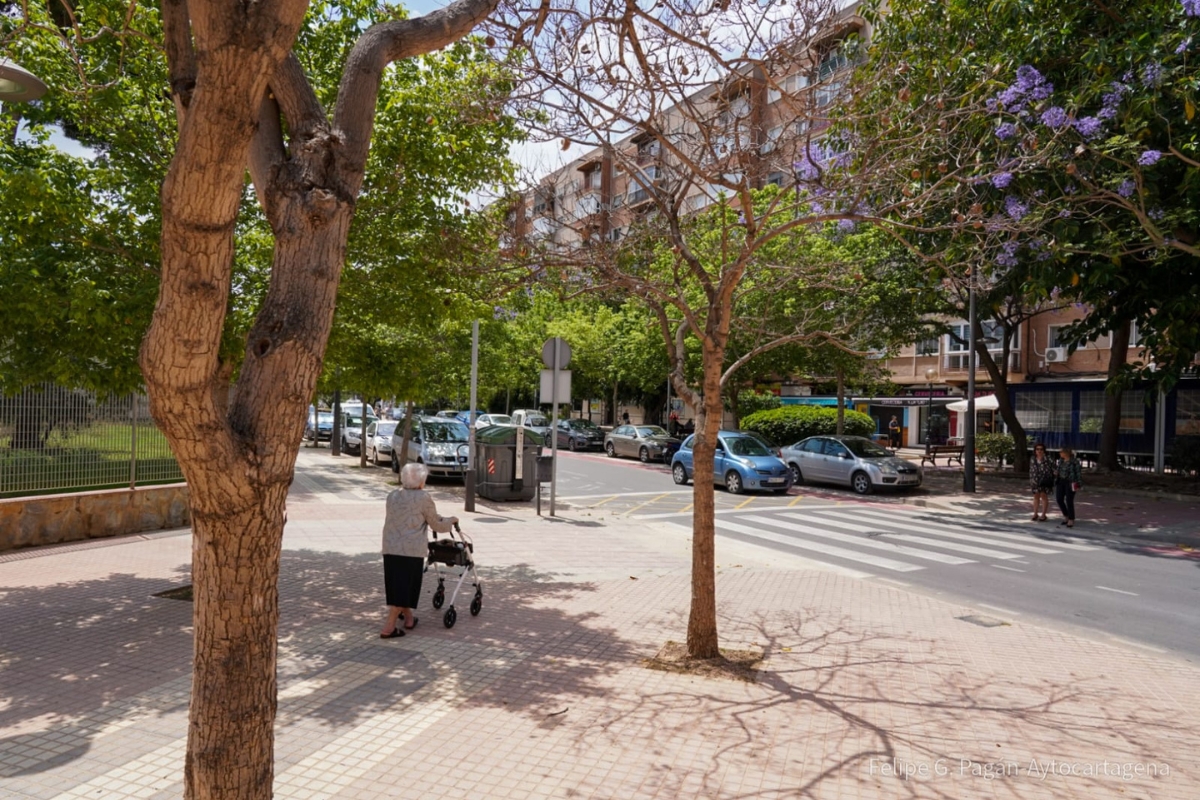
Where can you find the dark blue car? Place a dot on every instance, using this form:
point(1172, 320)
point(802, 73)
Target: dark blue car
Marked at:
point(741, 463)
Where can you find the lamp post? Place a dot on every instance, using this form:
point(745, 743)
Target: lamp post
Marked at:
point(930, 374)
point(969, 428)
point(17, 84)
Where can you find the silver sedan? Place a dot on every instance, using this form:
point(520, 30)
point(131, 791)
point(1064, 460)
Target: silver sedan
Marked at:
point(852, 461)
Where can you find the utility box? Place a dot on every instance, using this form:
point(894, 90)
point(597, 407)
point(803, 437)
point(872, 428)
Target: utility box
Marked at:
point(496, 475)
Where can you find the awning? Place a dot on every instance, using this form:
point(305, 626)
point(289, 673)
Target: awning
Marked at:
point(987, 403)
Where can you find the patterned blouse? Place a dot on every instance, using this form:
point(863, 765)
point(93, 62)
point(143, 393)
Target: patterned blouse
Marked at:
point(409, 511)
point(1041, 474)
point(1069, 470)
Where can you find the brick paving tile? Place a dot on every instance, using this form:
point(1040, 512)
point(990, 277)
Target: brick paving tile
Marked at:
point(867, 691)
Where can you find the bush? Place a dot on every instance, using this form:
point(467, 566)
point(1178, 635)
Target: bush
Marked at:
point(751, 402)
point(1185, 454)
point(789, 424)
point(996, 445)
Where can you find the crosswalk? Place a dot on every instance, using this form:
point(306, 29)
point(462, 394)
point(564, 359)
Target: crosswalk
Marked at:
point(857, 540)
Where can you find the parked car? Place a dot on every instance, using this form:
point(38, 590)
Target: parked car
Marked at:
point(532, 419)
point(438, 443)
point(351, 439)
point(579, 434)
point(487, 420)
point(465, 416)
point(853, 461)
point(645, 442)
point(741, 462)
point(320, 424)
point(379, 439)
point(446, 414)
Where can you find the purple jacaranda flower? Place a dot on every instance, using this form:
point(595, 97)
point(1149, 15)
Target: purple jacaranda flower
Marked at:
point(1007, 257)
point(1002, 180)
point(1183, 46)
point(1055, 292)
point(846, 225)
point(1090, 127)
point(1011, 98)
point(1014, 208)
point(1191, 7)
point(1151, 74)
point(1127, 188)
point(1064, 214)
point(1054, 117)
point(1149, 158)
point(1006, 130)
point(1156, 214)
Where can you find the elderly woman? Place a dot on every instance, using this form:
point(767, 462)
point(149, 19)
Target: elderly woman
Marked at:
point(410, 513)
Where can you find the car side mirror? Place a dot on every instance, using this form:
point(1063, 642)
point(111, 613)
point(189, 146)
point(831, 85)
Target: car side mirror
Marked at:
point(844, 455)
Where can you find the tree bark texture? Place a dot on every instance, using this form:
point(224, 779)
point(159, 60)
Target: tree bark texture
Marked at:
point(1110, 431)
point(702, 637)
point(1003, 400)
point(235, 445)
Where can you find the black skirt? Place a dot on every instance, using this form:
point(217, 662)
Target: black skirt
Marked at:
point(402, 580)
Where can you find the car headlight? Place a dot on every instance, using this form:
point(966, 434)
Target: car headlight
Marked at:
point(888, 469)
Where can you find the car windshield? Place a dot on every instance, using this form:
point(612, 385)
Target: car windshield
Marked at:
point(499, 419)
point(745, 446)
point(650, 430)
point(353, 421)
point(385, 429)
point(536, 421)
point(581, 424)
point(325, 418)
point(865, 448)
point(444, 432)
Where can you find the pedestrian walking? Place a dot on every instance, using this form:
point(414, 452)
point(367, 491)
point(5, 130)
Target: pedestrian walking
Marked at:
point(894, 432)
point(1041, 480)
point(1068, 479)
point(625, 417)
point(410, 514)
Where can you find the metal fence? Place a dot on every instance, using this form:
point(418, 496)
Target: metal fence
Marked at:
point(55, 440)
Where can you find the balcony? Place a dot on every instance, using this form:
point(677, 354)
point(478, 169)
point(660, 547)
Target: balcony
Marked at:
point(588, 205)
point(957, 363)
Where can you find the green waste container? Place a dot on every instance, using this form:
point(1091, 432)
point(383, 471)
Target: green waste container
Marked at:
point(496, 463)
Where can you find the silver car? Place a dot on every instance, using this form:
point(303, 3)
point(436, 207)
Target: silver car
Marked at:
point(852, 461)
point(379, 440)
point(644, 442)
point(438, 443)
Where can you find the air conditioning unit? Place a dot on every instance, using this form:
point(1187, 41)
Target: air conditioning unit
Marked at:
point(1056, 355)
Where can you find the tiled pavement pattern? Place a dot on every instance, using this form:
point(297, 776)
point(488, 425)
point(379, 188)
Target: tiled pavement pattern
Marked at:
point(543, 694)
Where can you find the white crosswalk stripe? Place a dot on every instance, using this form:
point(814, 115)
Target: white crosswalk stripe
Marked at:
point(764, 539)
point(942, 530)
point(859, 541)
point(1064, 542)
point(820, 547)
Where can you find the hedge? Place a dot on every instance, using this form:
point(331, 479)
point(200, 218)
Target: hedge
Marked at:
point(789, 424)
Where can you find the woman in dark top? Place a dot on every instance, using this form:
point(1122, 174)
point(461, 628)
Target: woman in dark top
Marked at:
point(1041, 481)
point(1068, 476)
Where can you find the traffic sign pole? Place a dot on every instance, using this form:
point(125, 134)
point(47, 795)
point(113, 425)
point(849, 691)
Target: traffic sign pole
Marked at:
point(469, 479)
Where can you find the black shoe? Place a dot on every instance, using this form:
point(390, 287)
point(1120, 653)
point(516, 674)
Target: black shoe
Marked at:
point(1064, 522)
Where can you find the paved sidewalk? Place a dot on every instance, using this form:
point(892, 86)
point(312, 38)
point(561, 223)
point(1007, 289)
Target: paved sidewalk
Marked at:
point(868, 691)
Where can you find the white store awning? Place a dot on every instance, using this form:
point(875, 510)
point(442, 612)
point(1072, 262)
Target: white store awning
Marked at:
point(988, 403)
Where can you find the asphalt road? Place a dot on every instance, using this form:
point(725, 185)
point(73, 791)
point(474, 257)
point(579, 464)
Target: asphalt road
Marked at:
point(1014, 569)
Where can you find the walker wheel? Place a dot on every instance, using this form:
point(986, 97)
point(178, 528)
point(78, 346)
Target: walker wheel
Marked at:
point(450, 617)
point(439, 597)
point(476, 606)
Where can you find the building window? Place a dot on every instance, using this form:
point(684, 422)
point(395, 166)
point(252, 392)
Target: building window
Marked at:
point(1187, 412)
point(591, 179)
point(1135, 336)
point(789, 86)
point(928, 346)
point(1055, 336)
point(775, 179)
point(1045, 411)
point(1091, 411)
point(993, 334)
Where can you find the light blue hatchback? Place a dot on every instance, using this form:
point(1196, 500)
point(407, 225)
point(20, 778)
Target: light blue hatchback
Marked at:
point(741, 463)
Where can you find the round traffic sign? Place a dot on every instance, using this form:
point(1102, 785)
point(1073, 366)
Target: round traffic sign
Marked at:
point(564, 353)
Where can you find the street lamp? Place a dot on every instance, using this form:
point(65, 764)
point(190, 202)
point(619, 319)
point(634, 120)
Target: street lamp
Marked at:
point(930, 374)
point(18, 84)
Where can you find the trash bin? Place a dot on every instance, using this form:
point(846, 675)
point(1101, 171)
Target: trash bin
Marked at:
point(496, 463)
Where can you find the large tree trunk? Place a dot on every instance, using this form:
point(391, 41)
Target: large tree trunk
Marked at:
point(702, 640)
point(1004, 402)
point(1108, 459)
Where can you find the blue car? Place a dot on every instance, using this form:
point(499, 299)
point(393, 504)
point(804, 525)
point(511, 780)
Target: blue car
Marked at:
point(741, 462)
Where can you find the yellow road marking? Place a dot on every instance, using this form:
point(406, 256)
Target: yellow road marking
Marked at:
point(745, 502)
point(797, 500)
point(686, 508)
point(648, 502)
point(605, 500)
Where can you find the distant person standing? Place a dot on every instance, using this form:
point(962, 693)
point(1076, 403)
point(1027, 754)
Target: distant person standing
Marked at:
point(625, 417)
point(1041, 481)
point(894, 432)
point(1068, 477)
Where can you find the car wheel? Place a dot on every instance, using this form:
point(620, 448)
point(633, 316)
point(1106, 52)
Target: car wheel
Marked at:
point(797, 475)
point(861, 483)
point(612, 451)
point(733, 482)
point(395, 463)
point(679, 473)
point(571, 445)
point(644, 455)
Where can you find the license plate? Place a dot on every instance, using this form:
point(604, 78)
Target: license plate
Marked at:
point(906, 479)
point(776, 480)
